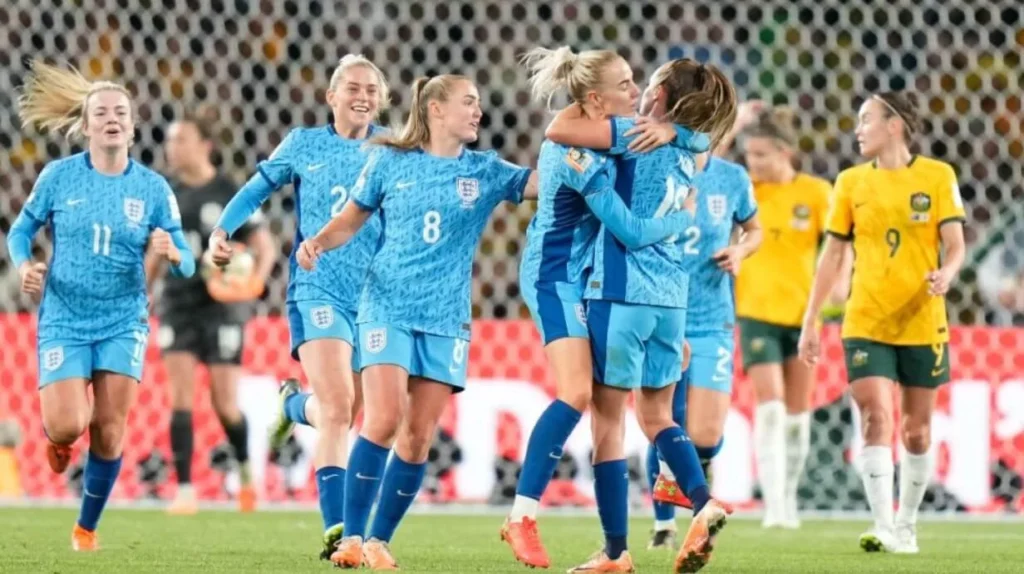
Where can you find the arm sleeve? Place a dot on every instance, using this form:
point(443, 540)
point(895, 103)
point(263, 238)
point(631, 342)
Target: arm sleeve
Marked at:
point(368, 192)
point(187, 267)
point(631, 231)
point(168, 216)
point(840, 215)
point(747, 205)
point(510, 178)
point(245, 204)
point(690, 140)
point(951, 205)
point(620, 142)
point(19, 238)
point(278, 169)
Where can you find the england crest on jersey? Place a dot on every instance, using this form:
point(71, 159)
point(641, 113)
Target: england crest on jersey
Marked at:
point(468, 190)
point(717, 206)
point(134, 209)
point(53, 358)
point(322, 317)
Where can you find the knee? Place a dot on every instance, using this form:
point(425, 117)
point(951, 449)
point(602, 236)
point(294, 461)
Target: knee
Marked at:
point(577, 398)
point(335, 414)
point(66, 427)
point(876, 422)
point(382, 427)
point(227, 413)
point(917, 436)
point(418, 440)
point(106, 436)
point(653, 421)
point(704, 433)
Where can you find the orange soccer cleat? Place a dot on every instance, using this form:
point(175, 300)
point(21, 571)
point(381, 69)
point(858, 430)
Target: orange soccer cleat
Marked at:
point(600, 562)
point(668, 492)
point(700, 538)
point(83, 540)
point(247, 498)
point(59, 456)
point(524, 539)
point(377, 555)
point(348, 552)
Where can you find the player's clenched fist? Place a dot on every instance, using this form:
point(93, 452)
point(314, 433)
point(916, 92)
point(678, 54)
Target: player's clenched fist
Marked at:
point(32, 276)
point(309, 251)
point(162, 245)
point(220, 248)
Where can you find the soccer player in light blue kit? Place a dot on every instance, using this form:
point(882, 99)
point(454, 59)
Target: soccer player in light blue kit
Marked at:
point(435, 198)
point(322, 164)
point(726, 202)
point(103, 209)
point(637, 307)
point(575, 186)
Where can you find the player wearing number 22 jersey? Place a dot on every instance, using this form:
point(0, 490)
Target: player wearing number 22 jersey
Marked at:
point(322, 167)
point(415, 306)
point(94, 313)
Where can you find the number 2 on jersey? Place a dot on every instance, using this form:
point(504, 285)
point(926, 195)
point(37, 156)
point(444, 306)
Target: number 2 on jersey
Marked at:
point(431, 227)
point(692, 237)
point(339, 203)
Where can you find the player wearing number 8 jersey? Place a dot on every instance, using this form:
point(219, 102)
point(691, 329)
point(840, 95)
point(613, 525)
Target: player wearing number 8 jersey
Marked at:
point(414, 316)
point(102, 209)
point(323, 164)
point(904, 215)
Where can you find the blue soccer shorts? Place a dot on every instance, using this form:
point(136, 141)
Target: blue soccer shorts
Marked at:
point(321, 319)
point(636, 346)
point(61, 359)
point(434, 357)
point(711, 361)
point(557, 309)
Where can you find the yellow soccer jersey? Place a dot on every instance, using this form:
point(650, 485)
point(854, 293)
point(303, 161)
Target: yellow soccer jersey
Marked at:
point(775, 282)
point(893, 218)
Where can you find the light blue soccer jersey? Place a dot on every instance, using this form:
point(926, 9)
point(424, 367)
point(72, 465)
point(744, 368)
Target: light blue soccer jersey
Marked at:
point(561, 233)
point(323, 168)
point(725, 197)
point(433, 210)
point(653, 184)
point(95, 287)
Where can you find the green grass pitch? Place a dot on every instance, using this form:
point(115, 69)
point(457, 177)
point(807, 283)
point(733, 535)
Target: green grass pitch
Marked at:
point(38, 540)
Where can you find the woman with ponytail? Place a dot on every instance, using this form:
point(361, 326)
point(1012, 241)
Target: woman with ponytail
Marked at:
point(103, 209)
point(414, 315)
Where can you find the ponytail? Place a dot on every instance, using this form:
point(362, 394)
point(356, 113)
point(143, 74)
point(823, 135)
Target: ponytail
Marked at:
point(56, 99)
point(552, 70)
point(698, 97)
point(416, 132)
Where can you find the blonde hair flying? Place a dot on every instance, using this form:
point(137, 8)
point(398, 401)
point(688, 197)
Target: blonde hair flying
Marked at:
point(552, 70)
point(416, 132)
point(55, 99)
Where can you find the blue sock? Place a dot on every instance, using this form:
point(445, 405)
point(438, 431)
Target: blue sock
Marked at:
point(97, 484)
point(677, 450)
point(662, 511)
point(402, 481)
point(611, 488)
point(295, 408)
point(330, 484)
point(362, 482)
point(544, 449)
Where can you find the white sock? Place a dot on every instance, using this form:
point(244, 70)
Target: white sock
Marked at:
point(523, 507)
point(660, 525)
point(666, 471)
point(770, 448)
point(186, 491)
point(876, 472)
point(798, 444)
point(915, 471)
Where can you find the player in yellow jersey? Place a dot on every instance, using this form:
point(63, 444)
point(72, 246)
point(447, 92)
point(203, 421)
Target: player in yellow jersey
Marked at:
point(772, 288)
point(904, 216)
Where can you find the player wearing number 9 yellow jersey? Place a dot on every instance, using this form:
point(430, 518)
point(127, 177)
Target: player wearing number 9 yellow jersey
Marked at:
point(771, 291)
point(898, 210)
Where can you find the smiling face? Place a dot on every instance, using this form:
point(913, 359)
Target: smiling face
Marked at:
point(109, 124)
point(355, 98)
point(460, 114)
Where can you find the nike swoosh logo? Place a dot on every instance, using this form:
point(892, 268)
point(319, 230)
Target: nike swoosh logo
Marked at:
point(719, 378)
point(917, 483)
point(89, 494)
point(405, 184)
point(314, 166)
point(555, 456)
point(361, 476)
point(406, 494)
point(937, 372)
point(859, 205)
point(329, 477)
point(75, 201)
point(876, 475)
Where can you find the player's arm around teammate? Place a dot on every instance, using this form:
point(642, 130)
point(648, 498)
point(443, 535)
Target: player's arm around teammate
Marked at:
point(414, 317)
point(103, 209)
point(903, 213)
point(322, 304)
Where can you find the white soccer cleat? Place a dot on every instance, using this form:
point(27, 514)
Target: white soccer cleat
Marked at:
point(878, 540)
point(906, 539)
point(772, 519)
point(790, 514)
